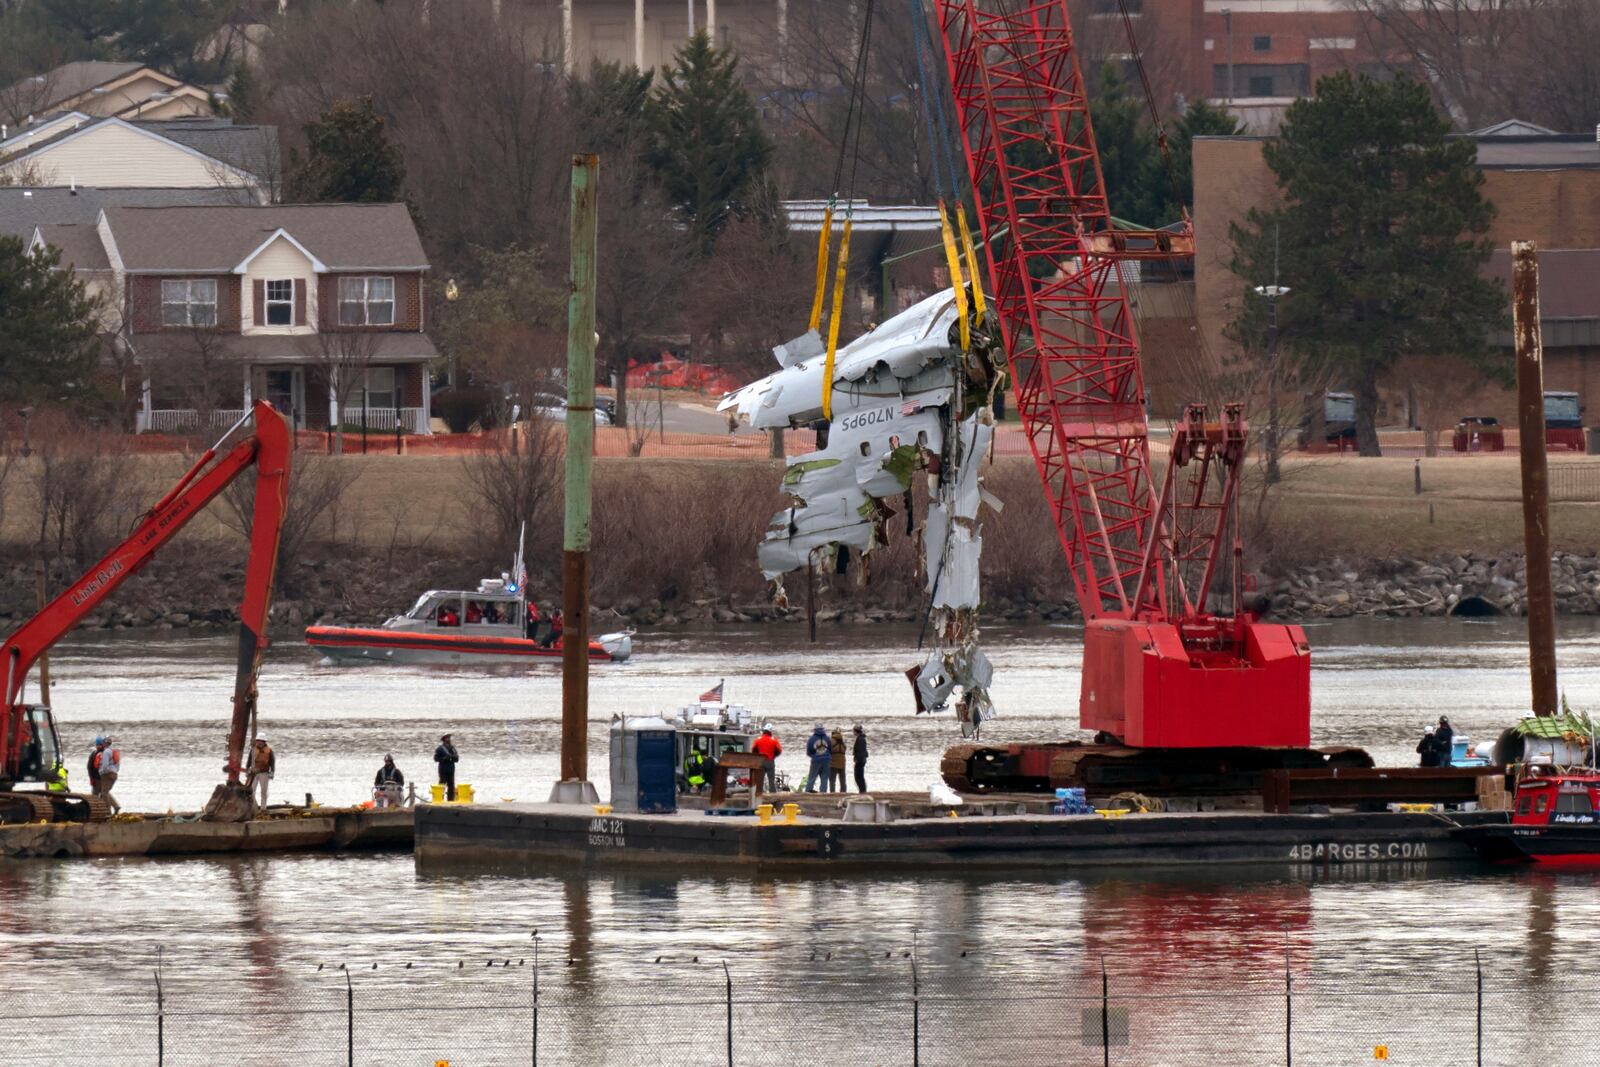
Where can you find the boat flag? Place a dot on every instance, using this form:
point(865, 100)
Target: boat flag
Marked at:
point(519, 569)
point(713, 695)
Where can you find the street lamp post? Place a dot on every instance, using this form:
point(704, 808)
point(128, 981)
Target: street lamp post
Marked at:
point(1271, 293)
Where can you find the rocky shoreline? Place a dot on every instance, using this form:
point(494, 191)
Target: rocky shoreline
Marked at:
point(340, 592)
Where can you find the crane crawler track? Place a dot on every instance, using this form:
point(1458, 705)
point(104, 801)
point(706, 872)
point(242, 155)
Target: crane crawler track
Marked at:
point(1106, 769)
point(16, 808)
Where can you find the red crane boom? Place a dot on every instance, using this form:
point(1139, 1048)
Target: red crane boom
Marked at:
point(1160, 669)
point(28, 745)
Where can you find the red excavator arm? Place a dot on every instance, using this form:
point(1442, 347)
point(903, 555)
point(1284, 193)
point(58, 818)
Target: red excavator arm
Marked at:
point(268, 450)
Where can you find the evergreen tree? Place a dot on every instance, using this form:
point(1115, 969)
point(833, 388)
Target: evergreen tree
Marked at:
point(707, 147)
point(1128, 158)
point(612, 108)
point(1380, 237)
point(47, 327)
point(349, 158)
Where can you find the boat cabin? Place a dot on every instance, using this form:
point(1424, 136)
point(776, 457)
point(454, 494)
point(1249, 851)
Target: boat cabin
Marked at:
point(714, 728)
point(1558, 799)
point(491, 609)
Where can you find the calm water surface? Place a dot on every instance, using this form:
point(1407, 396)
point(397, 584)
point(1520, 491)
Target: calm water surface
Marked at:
point(94, 926)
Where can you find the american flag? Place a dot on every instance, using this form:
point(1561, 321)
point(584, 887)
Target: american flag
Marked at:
point(712, 695)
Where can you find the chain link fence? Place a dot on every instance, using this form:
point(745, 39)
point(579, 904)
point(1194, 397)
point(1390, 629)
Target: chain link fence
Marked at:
point(894, 1010)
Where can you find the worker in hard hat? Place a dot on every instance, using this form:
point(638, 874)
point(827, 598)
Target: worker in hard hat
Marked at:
point(387, 786)
point(263, 764)
point(696, 769)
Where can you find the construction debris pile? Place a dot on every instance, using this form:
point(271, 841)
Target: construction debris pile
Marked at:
point(904, 397)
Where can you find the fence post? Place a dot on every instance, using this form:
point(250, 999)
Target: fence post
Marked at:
point(350, 1020)
point(535, 1049)
point(916, 1009)
point(1288, 1010)
point(728, 977)
point(161, 1015)
point(1477, 961)
point(1105, 1014)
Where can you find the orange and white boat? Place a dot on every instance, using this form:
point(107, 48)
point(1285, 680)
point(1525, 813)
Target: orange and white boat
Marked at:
point(453, 626)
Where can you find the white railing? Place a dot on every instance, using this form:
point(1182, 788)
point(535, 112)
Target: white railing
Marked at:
point(412, 420)
point(177, 420)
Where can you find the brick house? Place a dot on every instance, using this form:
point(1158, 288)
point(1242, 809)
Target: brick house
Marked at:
point(318, 308)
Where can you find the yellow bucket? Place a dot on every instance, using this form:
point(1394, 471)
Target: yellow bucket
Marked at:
point(438, 794)
point(464, 794)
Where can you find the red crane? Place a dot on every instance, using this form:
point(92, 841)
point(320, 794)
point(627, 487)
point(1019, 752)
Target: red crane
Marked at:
point(29, 747)
point(1163, 668)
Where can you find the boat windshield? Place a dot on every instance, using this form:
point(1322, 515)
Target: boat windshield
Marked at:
point(419, 610)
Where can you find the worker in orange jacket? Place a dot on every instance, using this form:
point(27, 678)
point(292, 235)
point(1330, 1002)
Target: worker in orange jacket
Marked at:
point(769, 749)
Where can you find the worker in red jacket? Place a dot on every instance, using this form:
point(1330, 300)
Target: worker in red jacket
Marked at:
point(768, 748)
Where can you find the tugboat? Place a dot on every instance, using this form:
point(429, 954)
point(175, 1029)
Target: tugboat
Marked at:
point(1554, 821)
point(1555, 817)
point(714, 727)
point(451, 626)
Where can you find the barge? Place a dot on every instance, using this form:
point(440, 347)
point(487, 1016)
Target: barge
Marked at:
point(280, 830)
point(562, 836)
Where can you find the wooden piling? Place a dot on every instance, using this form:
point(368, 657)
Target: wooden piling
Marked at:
point(1535, 475)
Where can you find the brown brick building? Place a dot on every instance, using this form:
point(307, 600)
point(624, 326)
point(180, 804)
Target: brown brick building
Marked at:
point(1545, 188)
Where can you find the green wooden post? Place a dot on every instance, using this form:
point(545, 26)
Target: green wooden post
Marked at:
point(574, 786)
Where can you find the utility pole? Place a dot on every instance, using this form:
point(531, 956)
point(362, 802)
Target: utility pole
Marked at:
point(1535, 475)
point(574, 786)
point(1271, 293)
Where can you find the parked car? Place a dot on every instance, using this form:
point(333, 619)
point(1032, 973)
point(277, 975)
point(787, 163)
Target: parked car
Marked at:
point(1334, 424)
point(1479, 433)
point(550, 406)
point(1563, 421)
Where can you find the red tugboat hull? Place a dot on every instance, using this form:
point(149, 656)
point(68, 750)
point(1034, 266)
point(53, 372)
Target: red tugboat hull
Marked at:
point(1556, 822)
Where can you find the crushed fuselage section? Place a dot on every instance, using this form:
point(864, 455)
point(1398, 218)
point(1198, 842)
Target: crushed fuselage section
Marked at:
point(906, 401)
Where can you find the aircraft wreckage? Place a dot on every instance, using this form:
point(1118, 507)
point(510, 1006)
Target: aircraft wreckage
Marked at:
point(905, 397)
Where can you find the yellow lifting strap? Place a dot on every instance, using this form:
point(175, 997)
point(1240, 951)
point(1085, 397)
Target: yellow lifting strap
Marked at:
point(823, 240)
point(953, 260)
point(833, 323)
point(972, 261)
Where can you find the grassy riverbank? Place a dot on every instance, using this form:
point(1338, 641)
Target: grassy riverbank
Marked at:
point(674, 539)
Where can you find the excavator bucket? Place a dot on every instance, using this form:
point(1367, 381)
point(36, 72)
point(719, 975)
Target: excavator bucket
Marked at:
point(229, 803)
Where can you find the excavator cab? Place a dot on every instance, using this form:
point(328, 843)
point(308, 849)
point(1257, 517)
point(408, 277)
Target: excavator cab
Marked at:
point(41, 748)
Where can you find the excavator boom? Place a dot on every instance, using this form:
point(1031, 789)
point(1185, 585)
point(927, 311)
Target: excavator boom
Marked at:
point(268, 449)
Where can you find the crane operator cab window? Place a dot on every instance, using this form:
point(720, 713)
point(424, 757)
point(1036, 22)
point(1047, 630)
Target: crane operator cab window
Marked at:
point(41, 750)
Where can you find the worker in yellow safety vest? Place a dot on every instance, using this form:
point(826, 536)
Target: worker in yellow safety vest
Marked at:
point(695, 769)
point(56, 781)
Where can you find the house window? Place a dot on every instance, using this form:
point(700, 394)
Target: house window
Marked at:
point(366, 301)
point(189, 302)
point(380, 387)
point(280, 303)
point(1261, 42)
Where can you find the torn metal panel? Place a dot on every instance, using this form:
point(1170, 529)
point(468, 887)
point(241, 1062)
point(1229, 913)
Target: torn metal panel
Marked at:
point(906, 398)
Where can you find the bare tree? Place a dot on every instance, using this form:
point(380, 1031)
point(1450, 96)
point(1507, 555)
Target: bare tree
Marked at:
point(476, 104)
point(1439, 387)
point(317, 485)
point(82, 486)
point(1490, 60)
point(510, 488)
point(344, 357)
point(196, 367)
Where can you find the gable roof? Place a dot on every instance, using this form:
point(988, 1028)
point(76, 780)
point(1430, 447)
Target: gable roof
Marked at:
point(80, 245)
point(249, 150)
point(24, 209)
point(1513, 128)
point(72, 80)
point(219, 240)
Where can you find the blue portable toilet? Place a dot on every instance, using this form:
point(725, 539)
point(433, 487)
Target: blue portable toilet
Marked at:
point(644, 766)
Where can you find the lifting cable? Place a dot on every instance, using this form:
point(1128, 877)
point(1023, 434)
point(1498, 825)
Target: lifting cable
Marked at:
point(855, 112)
point(941, 151)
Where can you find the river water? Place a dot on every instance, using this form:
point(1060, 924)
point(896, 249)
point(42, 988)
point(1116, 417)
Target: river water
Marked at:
point(264, 926)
